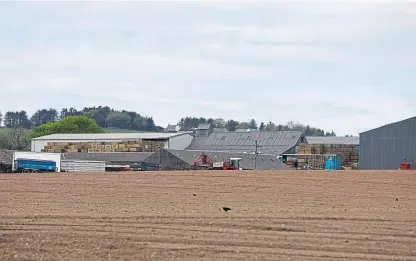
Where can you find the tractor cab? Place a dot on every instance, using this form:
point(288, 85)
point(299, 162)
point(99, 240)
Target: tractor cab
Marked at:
point(235, 163)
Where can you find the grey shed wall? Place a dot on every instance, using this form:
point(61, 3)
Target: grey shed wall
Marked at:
point(167, 161)
point(387, 146)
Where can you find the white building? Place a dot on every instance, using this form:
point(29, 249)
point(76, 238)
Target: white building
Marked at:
point(177, 141)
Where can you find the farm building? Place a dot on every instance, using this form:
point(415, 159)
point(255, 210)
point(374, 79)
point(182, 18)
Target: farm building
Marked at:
point(268, 142)
point(169, 159)
point(204, 130)
point(149, 141)
point(172, 128)
point(387, 146)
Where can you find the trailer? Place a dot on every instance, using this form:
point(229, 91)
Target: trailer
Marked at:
point(144, 166)
point(34, 166)
point(41, 156)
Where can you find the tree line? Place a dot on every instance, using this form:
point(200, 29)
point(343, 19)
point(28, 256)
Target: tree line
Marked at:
point(105, 117)
point(189, 123)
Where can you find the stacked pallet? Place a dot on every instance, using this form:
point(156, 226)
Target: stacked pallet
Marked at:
point(307, 156)
point(303, 149)
point(354, 159)
point(347, 153)
point(122, 146)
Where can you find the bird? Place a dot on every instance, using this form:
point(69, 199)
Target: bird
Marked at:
point(226, 209)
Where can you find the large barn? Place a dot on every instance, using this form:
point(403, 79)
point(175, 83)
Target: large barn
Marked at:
point(169, 159)
point(268, 142)
point(387, 146)
point(170, 140)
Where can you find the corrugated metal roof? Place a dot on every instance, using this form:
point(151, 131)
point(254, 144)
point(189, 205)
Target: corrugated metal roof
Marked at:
point(110, 136)
point(108, 156)
point(264, 162)
point(204, 126)
point(390, 124)
point(333, 140)
point(269, 142)
point(246, 130)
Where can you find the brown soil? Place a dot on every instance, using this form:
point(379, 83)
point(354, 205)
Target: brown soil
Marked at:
point(298, 215)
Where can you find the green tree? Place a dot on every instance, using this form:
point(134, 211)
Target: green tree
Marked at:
point(18, 139)
point(270, 126)
point(253, 124)
point(188, 123)
point(70, 112)
point(1, 118)
point(119, 120)
point(16, 119)
point(98, 116)
point(262, 126)
point(70, 124)
point(43, 116)
point(231, 125)
point(220, 123)
point(243, 125)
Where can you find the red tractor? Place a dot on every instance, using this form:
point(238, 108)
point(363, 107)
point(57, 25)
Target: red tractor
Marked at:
point(203, 161)
point(405, 165)
point(233, 164)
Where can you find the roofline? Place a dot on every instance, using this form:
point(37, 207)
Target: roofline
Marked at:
point(222, 151)
point(330, 137)
point(157, 138)
point(388, 124)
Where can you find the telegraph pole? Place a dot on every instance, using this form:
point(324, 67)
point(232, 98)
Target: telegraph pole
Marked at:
point(256, 153)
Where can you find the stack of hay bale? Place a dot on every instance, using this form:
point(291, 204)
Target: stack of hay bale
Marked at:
point(347, 153)
point(303, 149)
point(98, 146)
point(313, 160)
point(354, 159)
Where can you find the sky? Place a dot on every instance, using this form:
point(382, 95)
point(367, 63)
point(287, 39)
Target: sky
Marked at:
point(346, 66)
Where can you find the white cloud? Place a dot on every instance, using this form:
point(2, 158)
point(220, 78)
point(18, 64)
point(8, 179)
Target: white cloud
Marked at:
point(314, 62)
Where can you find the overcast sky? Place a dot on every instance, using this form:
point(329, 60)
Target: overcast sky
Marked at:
point(346, 66)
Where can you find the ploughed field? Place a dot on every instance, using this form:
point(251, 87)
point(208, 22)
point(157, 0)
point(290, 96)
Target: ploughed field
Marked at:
point(285, 215)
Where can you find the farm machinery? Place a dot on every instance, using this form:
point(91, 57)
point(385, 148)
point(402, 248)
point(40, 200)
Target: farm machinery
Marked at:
point(405, 165)
point(204, 161)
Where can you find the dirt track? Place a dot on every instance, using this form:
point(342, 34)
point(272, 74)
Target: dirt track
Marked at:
point(179, 216)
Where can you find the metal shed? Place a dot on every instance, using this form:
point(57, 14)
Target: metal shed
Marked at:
point(170, 140)
point(387, 146)
point(169, 159)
